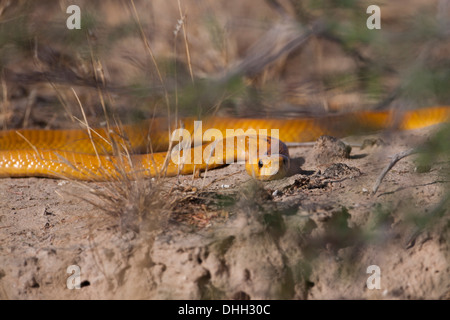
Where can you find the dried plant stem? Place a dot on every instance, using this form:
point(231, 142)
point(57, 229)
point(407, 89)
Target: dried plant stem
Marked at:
point(5, 104)
point(183, 26)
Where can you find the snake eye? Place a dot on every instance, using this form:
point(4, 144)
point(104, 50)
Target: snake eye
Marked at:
point(260, 164)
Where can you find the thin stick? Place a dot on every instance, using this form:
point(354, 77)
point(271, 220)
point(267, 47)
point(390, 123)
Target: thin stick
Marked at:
point(395, 159)
point(300, 144)
point(312, 144)
point(5, 104)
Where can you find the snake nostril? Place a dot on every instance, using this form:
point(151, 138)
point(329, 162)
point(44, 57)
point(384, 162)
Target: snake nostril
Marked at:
point(260, 164)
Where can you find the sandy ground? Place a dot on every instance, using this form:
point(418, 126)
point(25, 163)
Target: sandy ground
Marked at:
point(309, 236)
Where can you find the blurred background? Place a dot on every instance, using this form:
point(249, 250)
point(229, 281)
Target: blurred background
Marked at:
point(265, 58)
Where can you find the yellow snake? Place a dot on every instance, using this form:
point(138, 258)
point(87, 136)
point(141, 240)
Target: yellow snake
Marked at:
point(141, 150)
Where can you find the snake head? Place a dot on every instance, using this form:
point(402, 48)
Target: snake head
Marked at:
point(269, 167)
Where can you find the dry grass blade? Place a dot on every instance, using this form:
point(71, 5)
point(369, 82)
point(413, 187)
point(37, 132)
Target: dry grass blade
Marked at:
point(87, 124)
point(188, 55)
point(94, 131)
point(30, 144)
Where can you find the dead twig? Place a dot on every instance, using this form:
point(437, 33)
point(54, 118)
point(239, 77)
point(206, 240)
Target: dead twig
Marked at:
point(394, 160)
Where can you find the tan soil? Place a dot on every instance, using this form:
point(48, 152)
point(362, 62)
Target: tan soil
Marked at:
point(308, 236)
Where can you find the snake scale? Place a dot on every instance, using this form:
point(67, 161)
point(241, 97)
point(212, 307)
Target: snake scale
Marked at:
point(140, 150)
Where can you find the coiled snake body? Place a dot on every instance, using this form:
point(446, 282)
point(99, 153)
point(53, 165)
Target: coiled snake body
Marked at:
point(141, 150)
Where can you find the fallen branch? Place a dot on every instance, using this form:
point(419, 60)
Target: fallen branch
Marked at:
point(279, 41)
